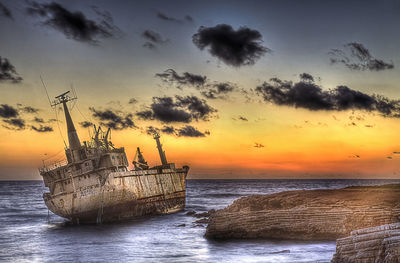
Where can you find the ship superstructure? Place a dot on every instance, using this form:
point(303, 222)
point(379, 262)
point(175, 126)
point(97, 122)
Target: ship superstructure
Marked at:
point(94, 183)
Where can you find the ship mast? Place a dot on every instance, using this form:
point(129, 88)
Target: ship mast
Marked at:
point(160, 149)
point(73, 139)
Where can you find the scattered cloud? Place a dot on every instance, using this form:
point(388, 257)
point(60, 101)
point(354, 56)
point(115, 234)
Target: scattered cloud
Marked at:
point(396, 152)
point(168, 130)
point(154, 37)
point(12, 117)
point(29, 109)
point(178, 109)
point(132, 101)
point(308, 95)
point(186, 131)
point(42, 128)
point(113, 119)
point(86, 124)
point(242, 118)
point(209, 90)
point(150, 130)
point(38, 120)
point(218, 90)
point(171, 77)
point(258, 145)
point(306, 77)
point(8, 72)
point(389, 157)
point(188, 18)
point(15, 124)
point(357, 57)
point(162, 16)
point(189, 131)
point(74, 25)
point(149, 45)
point(233, 47)
point(5, 11)
point(7, 111)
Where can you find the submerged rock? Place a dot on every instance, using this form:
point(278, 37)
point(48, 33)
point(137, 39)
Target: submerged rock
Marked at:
point(202, 221)
point(377, 244)
point(307, 215)
point(191, 213)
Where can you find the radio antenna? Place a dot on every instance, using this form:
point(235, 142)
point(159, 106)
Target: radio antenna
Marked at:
point(45, 89)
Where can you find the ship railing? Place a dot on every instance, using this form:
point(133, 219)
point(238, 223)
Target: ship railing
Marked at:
point(53, 166)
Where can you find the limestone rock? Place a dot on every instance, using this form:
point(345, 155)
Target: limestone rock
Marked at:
point(371, 245)
point(307, 215)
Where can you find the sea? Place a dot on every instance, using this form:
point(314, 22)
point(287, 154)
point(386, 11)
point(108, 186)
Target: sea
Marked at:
point(30, 233)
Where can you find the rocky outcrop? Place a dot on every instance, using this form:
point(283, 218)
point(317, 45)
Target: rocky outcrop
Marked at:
point(371, 245)
point(307, 215)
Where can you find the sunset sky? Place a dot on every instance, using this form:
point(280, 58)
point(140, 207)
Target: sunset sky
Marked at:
point(237, 89)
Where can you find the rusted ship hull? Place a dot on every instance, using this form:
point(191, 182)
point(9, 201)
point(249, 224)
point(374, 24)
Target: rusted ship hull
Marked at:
point(122, 196)
point(94, 183)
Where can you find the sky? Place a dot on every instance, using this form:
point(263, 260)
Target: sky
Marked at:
point(237, 89)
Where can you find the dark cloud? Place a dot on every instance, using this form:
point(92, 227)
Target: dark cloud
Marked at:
point(149, 45)
point(389, 157)
point(306, 77)
point(153, 37)
point(234, 47)
point(168, 130)
point(15, 124)
point(258, 145)
point(243, 118)
point(145, 115)
point(188, 18)
point(42, 128)
point(8, 72)
point(186, 131)
point(189, 131)
point(150, 130)
point(86, 124)
point(310, 96)
point(209, 90)
point(198, 108)
point(7, 111)
point(218, 90)
point(178, 109)
point(165, 17)
point(396, 152)
point(29, 109)
point(132, 101)
point(4, 11)
point(11, 116)
point(38, 120)
point(171, 77)
point(74, 25)
point(357, 57)
point(113, 120)
point(166, 110)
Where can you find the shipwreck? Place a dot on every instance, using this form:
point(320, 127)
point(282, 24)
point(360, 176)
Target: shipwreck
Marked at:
point(95, 185)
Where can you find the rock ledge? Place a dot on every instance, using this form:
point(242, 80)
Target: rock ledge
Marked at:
point(377, 244)
point(307, 215)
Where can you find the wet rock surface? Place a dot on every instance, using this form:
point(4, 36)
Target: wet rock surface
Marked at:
point(371, 245)
point(307, 214)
